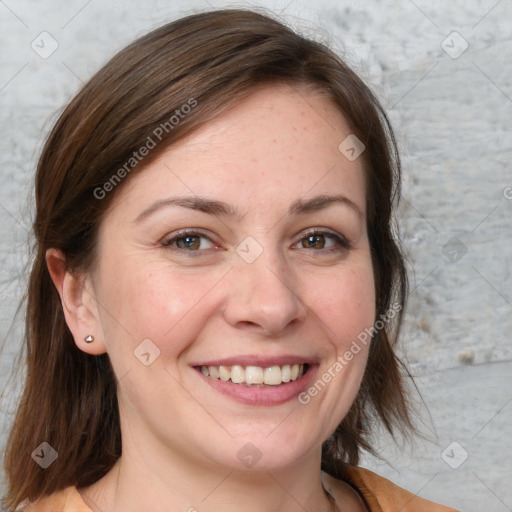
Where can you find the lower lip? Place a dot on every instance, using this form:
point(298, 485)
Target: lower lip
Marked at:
point(274, 395)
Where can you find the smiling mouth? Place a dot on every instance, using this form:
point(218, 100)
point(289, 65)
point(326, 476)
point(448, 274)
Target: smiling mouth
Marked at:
point(255, 376)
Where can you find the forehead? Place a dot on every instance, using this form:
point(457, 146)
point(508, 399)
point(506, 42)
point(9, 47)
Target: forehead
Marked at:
point(280, 143)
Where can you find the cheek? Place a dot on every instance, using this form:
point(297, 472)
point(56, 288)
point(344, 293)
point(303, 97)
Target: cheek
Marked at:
point(156, 303)
point(344, 302)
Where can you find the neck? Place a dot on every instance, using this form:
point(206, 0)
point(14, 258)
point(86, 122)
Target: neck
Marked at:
point(144, 480)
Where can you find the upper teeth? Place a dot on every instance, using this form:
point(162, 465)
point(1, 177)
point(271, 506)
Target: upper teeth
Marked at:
point(273, 375)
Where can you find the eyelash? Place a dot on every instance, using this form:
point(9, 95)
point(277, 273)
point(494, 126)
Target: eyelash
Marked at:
point(341, 243)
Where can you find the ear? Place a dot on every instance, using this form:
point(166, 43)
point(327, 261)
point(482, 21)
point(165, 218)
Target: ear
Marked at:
point(79, 304)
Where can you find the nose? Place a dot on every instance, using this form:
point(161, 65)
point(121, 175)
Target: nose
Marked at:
point(263, 297)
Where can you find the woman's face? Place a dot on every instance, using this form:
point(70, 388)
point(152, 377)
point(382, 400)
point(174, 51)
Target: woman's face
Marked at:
point(241, 254)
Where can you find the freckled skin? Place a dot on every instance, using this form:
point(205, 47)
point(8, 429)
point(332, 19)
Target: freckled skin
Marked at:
point(179, 434)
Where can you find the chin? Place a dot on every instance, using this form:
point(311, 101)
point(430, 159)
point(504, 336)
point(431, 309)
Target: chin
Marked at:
point(263, 452)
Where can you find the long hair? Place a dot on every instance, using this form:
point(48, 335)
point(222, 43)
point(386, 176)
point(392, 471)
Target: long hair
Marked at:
point(208, 61)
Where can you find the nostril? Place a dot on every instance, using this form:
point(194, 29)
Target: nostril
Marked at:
point(246, 324)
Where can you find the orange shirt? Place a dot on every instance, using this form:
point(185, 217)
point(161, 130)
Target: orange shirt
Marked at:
point(380, 494)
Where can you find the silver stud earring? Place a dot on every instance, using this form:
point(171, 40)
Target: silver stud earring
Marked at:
point(89, 339)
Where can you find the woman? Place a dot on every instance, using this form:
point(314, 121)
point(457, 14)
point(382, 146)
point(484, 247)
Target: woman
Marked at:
point(217, 292)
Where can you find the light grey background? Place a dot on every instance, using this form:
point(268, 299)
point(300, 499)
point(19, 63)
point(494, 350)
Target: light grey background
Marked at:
point(452, 116)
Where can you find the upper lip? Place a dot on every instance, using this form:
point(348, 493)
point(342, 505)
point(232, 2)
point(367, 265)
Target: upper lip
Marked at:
point(258, 360)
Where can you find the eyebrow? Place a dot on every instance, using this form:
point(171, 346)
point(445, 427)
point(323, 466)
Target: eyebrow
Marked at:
point(221, 209)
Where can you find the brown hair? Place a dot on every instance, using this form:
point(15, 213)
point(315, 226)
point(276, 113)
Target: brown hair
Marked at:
point(214, 59)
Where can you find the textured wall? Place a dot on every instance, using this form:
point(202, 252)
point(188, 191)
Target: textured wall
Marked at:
point(443, 73)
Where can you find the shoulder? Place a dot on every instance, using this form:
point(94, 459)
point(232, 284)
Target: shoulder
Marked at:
point(380, 494)
point(65, 500)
